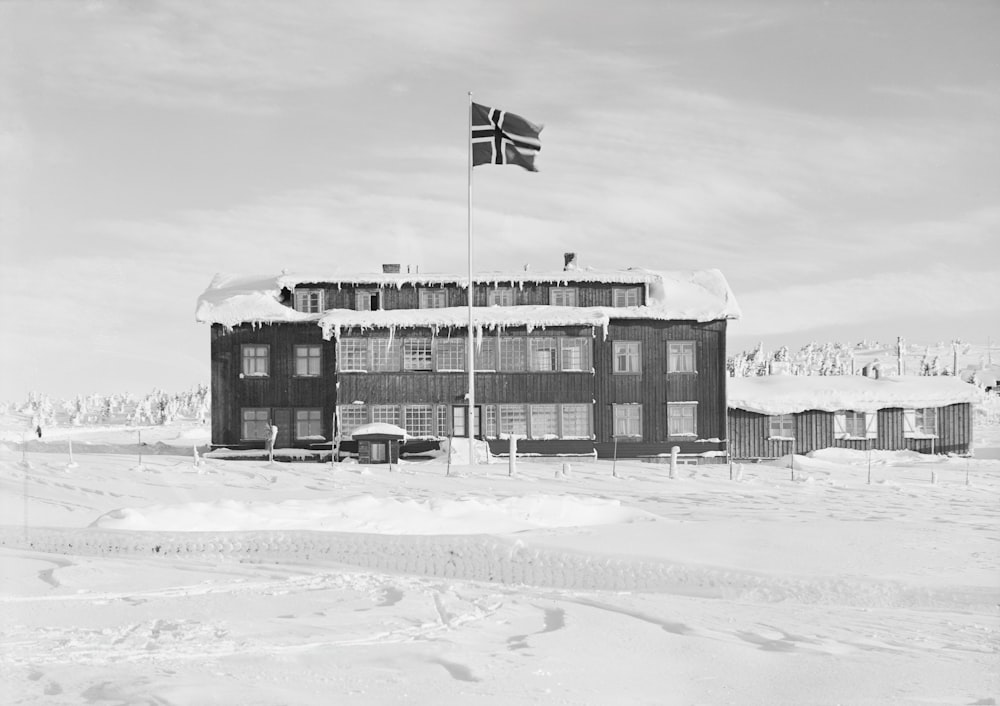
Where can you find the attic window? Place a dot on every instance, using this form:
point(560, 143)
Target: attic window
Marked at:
point(501, 296)
point(366, 300)
point(309, 301)
point(433, 298)
point(625, 296)
point(562, 296)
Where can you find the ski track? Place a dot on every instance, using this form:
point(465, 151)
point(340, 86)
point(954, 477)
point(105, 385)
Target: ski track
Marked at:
point(494, 559)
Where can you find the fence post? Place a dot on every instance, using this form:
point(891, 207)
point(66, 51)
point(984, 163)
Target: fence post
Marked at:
point(614, 460)
point(674, 450)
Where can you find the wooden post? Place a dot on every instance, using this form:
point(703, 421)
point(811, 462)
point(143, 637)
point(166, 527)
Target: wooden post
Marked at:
point(139, 432)
point(869, 462)
point(674, 450)
point(614, 460)
point(512, 455)
point(24, 464)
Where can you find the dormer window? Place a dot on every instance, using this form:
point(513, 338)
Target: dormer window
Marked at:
point(366, 300)
point(625, 296)
point(562, 296)
point(309, 301)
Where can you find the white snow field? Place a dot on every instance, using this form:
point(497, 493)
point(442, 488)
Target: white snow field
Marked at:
point(183, 581)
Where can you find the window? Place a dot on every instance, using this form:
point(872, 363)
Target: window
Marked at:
point(490, 421)
point(855, 425)
point(385, 414)
point(682, 419)
point(513, 419)
point(625, 296)
point(417, 354)
point(513, 355)
point(485, 352)
point(680, 357)
point(307, 361)
point(308, 423)
point(418, 420)
point(366, 300)
point(451, 354)
point(544, 421)
point(925, 421)
point(433, 298)
point(543, 354)
point(920, 423)
point(562, 296)
point(255, 361)
point(501, 296)
point(573, 354)
point(353, 354)
point(627, 358)
point(256, 424)
point(781, 426)
point(385, 355)
point(309, 301)
point(352, 416)
point(627, 420)
point(575, 421)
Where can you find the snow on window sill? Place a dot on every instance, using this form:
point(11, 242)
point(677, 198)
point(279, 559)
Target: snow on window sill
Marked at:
point(686, 435)
point(920, 435)
point(781, 438)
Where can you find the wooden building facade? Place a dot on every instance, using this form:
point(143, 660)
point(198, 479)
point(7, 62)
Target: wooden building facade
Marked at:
point(572, 362)
point(774, 416)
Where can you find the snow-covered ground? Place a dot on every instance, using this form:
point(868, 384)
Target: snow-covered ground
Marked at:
point(184, 580)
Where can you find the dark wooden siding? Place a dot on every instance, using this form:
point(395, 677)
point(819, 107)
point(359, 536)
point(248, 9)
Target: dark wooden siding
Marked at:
point(281, 389)
point(655, 387)
point(451, 388)
point(407, 296)
point(748, 433)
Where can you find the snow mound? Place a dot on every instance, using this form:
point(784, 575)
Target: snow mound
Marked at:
point(369, 514)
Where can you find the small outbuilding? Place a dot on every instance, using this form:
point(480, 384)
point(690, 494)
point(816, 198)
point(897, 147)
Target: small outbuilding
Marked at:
point(771, 416)
point(379, 442)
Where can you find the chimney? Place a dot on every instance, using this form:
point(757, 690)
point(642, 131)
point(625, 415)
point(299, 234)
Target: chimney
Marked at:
point(569, 260)
point(390, 269)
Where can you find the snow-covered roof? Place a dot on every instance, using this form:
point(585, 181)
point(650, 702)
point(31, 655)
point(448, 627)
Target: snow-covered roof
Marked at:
point(699, 295)
point(785, 394)
point(383, 428)
point(238, 299)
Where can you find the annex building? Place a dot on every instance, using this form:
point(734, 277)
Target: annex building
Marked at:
point(574, 361)
point(774, 415)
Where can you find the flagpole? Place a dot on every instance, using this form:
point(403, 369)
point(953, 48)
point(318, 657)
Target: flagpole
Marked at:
point(470, 359)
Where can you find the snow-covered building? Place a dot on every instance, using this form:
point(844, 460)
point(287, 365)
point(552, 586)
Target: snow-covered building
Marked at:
point(774, 415)
point(576, 361)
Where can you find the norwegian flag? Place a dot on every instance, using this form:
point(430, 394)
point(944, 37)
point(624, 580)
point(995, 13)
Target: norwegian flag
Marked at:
point(499, 137)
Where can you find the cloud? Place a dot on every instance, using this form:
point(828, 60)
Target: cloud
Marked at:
point(235, 55)
point(934, 293)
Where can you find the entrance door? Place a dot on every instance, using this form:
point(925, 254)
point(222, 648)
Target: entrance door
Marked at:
point(460, 418)
point(282, 418)
point(379, 452)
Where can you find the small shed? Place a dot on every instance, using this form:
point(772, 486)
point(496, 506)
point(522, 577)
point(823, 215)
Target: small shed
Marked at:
point(378, 442)
point(771, 416)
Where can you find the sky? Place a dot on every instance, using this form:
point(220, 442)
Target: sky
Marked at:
point(838, 161)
